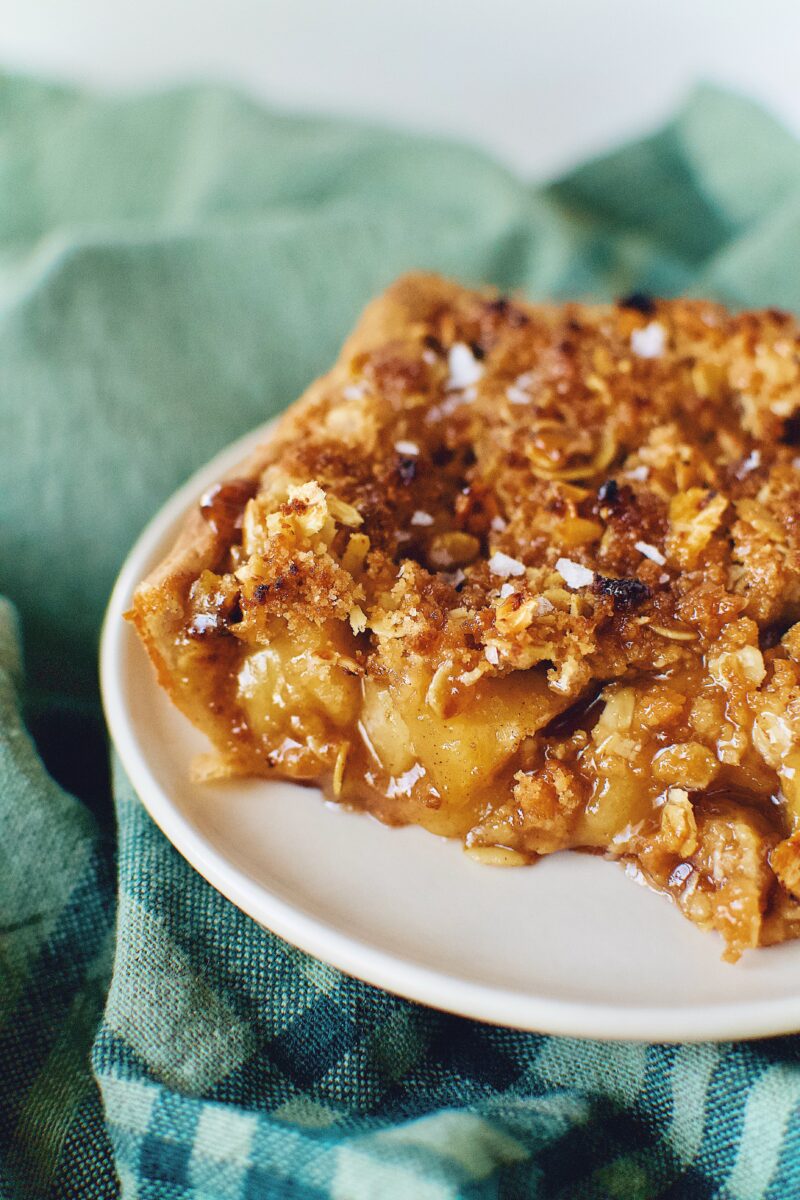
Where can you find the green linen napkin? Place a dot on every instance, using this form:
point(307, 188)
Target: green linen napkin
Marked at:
point(162, 261)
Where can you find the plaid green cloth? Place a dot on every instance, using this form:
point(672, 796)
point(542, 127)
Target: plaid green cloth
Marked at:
point(162, 261)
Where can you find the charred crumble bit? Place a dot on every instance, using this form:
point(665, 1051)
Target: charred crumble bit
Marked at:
point(234, 615)
point(640, 302)
point(771, 635)
point(260, 593)
point(441, 456)
point(503, 307)
point(608, 492)
point(433, 343)
point(293, 568)
point(478, 351)
point(625, 594)
point(407, 470)
point(516, 318)
point(500, 305)
point(791, 431)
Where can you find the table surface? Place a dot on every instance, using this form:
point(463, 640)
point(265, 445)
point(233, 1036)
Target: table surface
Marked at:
point(540, 84)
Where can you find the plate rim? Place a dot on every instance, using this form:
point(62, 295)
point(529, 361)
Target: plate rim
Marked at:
point(354, 956)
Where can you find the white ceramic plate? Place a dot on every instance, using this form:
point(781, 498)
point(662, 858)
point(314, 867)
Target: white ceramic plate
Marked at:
point(570, 946)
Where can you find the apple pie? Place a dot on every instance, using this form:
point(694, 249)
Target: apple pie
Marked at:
point(525, 575)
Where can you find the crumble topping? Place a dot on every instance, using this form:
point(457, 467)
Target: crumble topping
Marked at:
point(531, 575)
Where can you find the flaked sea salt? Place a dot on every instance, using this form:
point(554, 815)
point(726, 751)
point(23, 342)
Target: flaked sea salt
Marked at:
point(651, 552)
point(464, 368)
point(517, 392)
point(650, 341)
point(573, 574)
point(503, 565)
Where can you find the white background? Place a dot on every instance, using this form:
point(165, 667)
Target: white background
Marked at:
point(541, 83)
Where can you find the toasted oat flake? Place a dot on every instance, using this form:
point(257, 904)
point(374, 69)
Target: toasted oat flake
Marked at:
point(464, 368)
point(354, 391)
point(503, 565)
point(649, 342)
point(499, 524)
point(358, 619)
point(492, 655)
point(506, 590)
point(674, 634)
point(421, 518)
point(651, 552)
point(345, 513)
point(339, 767)
point(574, 574)
point(409, 448)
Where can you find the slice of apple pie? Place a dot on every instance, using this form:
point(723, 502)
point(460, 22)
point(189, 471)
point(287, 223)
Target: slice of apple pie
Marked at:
point(527, 576)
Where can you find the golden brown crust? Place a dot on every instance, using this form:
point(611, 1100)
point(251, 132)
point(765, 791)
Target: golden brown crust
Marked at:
point(546, 560)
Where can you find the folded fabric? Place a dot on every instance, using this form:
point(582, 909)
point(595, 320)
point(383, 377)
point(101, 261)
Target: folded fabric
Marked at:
point(174, 269)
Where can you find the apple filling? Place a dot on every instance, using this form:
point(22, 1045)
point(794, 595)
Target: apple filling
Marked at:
point(679, 770)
